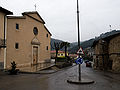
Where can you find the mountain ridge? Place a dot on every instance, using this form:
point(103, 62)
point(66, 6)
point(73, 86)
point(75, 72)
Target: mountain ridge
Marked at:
point(85, 44)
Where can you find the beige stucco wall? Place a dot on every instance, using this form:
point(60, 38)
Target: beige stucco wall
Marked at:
point(35, 16)
point(1, 35)
point(1, 55)
point(24, 36)
point(2, 25)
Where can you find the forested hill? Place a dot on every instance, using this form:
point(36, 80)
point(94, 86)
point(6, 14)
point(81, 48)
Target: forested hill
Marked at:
point(88, 43)
point(54, 41)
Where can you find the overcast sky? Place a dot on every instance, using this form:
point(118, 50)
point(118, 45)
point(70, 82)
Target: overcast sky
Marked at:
point(60, 16)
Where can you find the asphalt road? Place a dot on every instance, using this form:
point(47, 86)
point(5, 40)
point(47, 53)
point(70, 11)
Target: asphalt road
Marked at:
point(58, 80)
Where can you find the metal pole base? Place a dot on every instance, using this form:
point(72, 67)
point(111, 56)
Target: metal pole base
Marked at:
point(82, 81)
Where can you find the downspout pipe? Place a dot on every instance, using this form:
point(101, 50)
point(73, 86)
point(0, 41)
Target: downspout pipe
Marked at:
point(4, 46)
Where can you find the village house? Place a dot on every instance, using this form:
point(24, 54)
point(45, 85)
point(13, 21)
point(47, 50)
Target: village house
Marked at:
point(60, 54)
point(89, 51)
point(107, 53)
point(73, 56)
point(28, 42)
point(3, 30)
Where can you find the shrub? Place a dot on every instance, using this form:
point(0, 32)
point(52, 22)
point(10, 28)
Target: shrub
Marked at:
point(13, 70)
point(61, 59)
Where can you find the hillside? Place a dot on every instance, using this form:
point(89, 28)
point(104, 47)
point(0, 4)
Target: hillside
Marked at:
point(85, 44)
point(88, 43)
point(52, 42)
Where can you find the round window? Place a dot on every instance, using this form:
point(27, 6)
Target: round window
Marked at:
point(35, 31)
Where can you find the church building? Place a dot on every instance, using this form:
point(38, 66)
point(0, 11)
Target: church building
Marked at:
point(28, 42)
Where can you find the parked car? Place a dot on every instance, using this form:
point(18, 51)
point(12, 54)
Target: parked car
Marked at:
point(88, 64)
point(86, 61)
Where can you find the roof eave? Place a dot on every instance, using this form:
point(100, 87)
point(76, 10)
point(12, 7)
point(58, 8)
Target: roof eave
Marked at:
point(7, 12)
point(34, 12)
point(48, 31)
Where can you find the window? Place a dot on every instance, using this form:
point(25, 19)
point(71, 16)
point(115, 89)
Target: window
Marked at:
point(17, 26)
point(46, 35)
point(35, 31)
point(16, 45)
point(61, 54)
point(46, 47)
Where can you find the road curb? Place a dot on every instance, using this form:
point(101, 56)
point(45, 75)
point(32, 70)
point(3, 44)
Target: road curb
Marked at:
point(84, 81)
point(45, 72)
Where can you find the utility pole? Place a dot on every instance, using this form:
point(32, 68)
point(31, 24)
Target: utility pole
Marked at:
point(78, 27)
point(79, 80)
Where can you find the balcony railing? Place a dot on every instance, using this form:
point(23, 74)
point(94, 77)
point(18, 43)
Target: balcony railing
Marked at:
point(2, 45)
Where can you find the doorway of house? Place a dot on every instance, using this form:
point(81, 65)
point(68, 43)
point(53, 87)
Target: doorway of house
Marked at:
point(35, 57)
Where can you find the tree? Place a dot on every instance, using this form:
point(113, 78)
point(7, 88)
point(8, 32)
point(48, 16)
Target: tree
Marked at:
point(57, 47)
point(65, 44)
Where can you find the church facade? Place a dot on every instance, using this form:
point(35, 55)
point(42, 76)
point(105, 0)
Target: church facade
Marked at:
point(28, 42)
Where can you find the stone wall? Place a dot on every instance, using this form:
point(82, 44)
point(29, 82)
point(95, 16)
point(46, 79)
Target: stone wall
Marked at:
point(101, 55)
point(107, 54)
point(114, 52)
